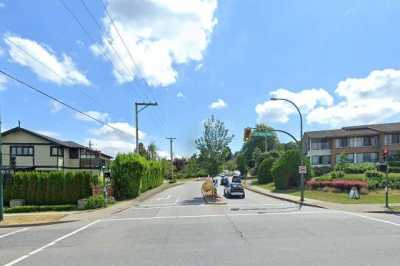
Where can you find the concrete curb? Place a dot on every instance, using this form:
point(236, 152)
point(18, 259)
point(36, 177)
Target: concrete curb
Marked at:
point(205, 198)
point(283, 198)
point(74, 216)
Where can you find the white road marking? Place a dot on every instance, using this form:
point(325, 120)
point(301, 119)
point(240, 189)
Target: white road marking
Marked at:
point(167, 197)
point(215, 215)
point(169, 205)
point(14, 232)
point(177, 200)
point(51, 243)
point(371, 218)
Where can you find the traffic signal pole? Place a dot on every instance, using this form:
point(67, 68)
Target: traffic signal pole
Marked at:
point(171, 140)
point(385, 155)
point(137, 111)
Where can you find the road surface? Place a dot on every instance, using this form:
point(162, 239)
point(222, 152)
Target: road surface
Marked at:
point(175, 227)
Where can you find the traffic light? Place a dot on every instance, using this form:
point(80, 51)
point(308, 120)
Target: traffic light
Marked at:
point(247, 134)
point(13, 162)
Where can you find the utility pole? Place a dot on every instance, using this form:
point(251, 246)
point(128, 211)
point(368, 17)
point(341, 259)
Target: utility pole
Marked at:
point(143, 106)
point(171, 140)
point(1, 176)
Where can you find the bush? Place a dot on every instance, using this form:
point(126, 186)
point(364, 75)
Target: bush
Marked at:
point(48, 188)
point(133, 174)
point(394, 169)
point(358, 168)
point(264, 174)
point(323, 170)
point(95, 202)
point(285, 170)
point(341, 184)
point(41, 208)
point(373, 174)
point(337, 174)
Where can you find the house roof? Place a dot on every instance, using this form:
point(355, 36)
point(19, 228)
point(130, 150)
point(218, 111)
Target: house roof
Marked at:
point(68, 144)
point(362, 130)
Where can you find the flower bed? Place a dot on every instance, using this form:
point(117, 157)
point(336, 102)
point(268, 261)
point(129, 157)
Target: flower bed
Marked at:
point(341, 184)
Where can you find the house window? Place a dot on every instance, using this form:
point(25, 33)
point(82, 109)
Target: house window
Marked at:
point(347, 158)
point(342, 142)
point(73, 153)
point(370, 157)
point(56, 151)
point(320, 144)
point(321, 160)
point(22, 150)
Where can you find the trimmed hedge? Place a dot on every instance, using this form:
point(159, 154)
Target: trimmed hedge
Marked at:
point(357, 168)
point(95, 202)
point(337, 183)
point(133, 174)
point(41, 208)
point(48, 188)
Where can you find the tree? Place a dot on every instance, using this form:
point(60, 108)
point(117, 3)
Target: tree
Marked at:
point(152, 151)
point(241, 163)
point(142, 150)
point(213, 144)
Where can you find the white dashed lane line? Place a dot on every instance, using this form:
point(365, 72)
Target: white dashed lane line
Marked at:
point(13, 232)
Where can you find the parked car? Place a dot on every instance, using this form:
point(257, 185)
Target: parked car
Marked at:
point(234, 189)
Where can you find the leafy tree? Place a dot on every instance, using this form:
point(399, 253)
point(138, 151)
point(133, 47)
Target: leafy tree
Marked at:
point(142, 150)
point(259, 142)
point(230, 165)
point(264, 174)
point(152, 151)
point(241, 163)
point(212, 145)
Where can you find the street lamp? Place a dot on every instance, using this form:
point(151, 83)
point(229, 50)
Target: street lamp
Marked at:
point(300, 142)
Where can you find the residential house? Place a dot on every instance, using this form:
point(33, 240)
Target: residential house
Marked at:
point(33, 151)
point(364, 143)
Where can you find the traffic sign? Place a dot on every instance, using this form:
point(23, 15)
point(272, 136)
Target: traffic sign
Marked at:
point(262, 134)
point(302, 169)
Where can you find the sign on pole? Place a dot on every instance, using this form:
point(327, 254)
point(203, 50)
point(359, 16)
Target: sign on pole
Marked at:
point(302, 169)
point(262, 133)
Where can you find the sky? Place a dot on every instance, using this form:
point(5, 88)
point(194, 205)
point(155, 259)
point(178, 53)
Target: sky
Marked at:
point(337, 60)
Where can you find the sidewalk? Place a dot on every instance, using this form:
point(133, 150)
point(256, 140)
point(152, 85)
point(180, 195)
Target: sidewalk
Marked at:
point(46, 218)
point(379, 208)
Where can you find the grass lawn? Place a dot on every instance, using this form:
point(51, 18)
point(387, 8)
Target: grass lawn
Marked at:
point(377, 197)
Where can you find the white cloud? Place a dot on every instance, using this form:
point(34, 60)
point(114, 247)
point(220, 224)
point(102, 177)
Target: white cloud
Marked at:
point(180, 95)
point(3, 81)
point(55, 106)
point(198, 67)
point(372, 99)
point(2, 5)
point(113, 141)
point(280, 110)
point(1, 52)
point(98, 115)
point(67, 73)
point(218, 104)
point(160, 34)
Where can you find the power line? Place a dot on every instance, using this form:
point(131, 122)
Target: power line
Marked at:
point(59, 101)
point(122, 40)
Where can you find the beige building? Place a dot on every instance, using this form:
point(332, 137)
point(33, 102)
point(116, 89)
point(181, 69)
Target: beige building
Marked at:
point(33, 151)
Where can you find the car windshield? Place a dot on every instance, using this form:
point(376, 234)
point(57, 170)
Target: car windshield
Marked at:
point(236, 179)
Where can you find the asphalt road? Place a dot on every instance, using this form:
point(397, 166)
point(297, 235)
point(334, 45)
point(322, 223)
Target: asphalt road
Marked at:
point(175, 227)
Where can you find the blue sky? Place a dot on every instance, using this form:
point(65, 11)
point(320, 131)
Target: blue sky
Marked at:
point(339, 61)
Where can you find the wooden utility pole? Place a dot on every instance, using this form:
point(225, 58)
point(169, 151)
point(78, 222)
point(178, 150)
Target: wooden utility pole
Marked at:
point(143, 106)
point(171, 140)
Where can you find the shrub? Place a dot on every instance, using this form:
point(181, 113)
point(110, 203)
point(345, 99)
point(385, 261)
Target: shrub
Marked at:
point(323, 178)
point(373, 174)
point(264, 174)
point(337, 174)
point(133, 174)
point(48, 188)
point(358, 168)
point(95, 202)
point(394, 169)
point(285, 170)
point(337, 183)
point(41, 208)
point(320, 171)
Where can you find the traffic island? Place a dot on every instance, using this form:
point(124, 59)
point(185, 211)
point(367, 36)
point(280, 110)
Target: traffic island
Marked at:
point(32, 219)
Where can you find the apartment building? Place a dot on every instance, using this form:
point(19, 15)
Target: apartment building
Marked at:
point(34, 151)
point(364, 143)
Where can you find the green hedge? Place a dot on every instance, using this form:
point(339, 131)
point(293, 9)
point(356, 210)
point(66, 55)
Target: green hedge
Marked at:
point(285, 170)
point(264, 174)
point(357, 168)
point(41, 208)
point(133, 174)
point(48, 188)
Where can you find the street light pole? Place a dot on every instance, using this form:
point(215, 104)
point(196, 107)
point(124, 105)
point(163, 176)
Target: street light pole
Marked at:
point(171, 140)
point(300, 143)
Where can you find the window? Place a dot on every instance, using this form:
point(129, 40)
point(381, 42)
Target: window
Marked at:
point(392, 139)
point(88, 154)
point(347, 158)
point(73, 153)
point(22, 150)
point(321, 160)
point(342, 143)
point(320, 144)
point(370, 157)
point(56, 151)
